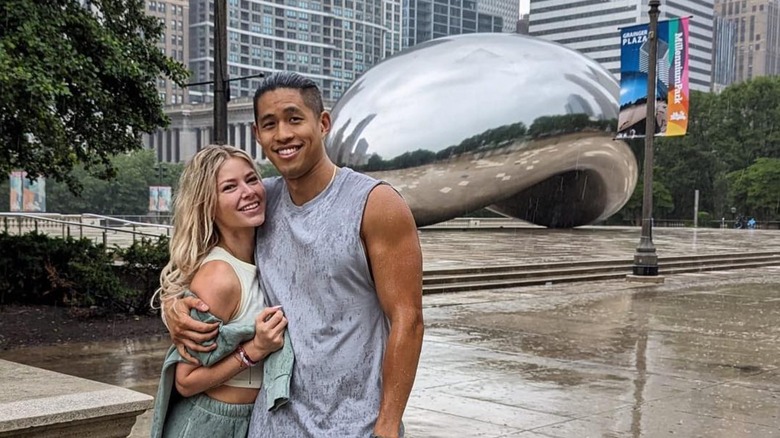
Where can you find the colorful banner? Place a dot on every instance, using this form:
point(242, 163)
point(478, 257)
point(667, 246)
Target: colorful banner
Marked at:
point(160, 198)
point(671, 93)
point(25, 195)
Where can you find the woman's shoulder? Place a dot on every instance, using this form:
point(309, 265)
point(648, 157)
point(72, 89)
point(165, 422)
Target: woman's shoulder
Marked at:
point(217, 284)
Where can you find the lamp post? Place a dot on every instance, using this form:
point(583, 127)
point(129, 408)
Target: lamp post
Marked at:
point(645, 258)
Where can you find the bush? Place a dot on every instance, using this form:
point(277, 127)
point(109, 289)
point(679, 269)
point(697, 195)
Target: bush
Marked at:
point(142, 263)
point(38, 269)
point(705, 219)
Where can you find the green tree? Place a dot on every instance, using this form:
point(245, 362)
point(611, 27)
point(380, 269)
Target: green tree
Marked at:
point(745, 122)
point(5, 190)
point(662, 203)
point(266, 170)
point(78, 84)
point(690, 163)
point(125, 194)
point(755, 191)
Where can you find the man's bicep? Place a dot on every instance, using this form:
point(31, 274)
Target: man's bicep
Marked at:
point(394, 250)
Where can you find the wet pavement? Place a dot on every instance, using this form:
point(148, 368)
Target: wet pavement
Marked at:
point(452, 248)
point(696, 356)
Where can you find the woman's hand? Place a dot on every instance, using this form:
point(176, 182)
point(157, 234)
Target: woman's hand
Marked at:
point(187, 333)
point(269, 333)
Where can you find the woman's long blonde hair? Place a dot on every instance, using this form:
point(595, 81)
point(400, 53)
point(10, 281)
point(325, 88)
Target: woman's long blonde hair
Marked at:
point(194, 207)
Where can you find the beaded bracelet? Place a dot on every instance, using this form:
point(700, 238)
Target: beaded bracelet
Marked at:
point(237, 357)
point(245, 357)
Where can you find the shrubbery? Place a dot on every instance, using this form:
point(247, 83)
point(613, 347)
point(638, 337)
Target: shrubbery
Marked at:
point(38, 269)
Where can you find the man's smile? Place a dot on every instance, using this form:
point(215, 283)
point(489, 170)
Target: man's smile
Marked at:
point(288, 151)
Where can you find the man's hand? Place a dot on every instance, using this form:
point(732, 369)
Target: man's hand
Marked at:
point(187, 333)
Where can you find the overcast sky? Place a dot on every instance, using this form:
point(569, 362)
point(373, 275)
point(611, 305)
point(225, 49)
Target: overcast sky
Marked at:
point(524, 6)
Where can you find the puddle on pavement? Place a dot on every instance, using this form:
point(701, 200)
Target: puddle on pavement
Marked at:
point(133, 364)
point(720, 331)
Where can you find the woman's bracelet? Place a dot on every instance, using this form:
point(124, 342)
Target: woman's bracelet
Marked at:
point(245, 357)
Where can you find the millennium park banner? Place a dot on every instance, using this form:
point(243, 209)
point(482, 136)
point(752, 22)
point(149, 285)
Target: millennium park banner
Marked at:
point(671, 95)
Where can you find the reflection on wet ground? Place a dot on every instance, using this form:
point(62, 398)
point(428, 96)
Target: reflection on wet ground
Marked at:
point(696, 356)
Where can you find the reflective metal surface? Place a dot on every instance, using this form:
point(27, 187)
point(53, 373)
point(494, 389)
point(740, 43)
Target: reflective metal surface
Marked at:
point(514, 123)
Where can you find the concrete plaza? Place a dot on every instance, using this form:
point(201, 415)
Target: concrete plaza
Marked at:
point(696, 356)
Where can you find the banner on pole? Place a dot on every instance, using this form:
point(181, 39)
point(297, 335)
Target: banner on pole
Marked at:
point(671, 93)
point(25, 195)
point(160, 199)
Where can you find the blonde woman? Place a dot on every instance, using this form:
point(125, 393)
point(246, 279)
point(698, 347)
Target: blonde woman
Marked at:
point(219, 203)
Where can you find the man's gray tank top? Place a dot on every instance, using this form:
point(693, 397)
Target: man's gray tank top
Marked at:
point(312, 261)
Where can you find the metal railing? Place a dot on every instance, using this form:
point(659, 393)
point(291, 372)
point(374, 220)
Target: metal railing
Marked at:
point(108, 221)
point(90, 226)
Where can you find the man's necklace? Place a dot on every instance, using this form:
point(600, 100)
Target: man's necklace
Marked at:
point(332, 178)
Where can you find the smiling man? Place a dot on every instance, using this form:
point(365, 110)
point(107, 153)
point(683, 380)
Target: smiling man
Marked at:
point(339, 252)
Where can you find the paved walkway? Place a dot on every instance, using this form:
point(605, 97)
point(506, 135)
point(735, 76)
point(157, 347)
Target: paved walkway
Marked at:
point(696, 356)
point(452, 248)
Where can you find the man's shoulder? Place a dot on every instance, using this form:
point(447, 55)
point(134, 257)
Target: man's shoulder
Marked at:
point(273, 187)
point(356, 176)
point(272, 182)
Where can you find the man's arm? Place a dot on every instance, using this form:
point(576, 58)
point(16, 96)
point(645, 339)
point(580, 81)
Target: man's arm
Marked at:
point(269, 337)
point(393, 247)
point(186, 332)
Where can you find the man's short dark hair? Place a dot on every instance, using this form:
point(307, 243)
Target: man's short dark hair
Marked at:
point(309, 91)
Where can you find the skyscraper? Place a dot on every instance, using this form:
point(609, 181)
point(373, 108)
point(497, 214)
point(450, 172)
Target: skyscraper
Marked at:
point(592, 27)
point(724, 53)
point(757, 27)
point(428, 19)
point(332, 42)
point(174, 42)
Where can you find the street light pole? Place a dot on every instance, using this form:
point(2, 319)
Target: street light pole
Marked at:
point(220, 72)
point(645, 258)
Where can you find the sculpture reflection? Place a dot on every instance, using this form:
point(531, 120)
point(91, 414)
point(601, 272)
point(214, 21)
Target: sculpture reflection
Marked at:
point(522, 126)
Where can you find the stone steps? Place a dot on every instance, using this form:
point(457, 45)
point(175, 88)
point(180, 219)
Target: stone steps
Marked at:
point(501, 277)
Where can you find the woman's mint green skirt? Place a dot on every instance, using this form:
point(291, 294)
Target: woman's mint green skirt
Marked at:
point(202, 416)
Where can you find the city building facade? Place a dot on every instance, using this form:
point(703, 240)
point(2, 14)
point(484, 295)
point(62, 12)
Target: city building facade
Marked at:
point(757, 41)
point(522, 25)
point(191, 128)
point(425, 20)
point(593, 28)
point(724, 53)
point(174, 42)
point(330, 41)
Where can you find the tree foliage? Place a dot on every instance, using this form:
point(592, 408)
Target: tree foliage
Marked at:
point(728, 154)
point(757, 187)
point(78, 84)
point(125, 194)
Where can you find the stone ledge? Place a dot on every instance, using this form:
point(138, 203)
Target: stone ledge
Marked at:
point(645, 279)
point(41, 403)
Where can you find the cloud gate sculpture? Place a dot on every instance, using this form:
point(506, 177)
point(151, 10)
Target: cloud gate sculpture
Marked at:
point(516, 124)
